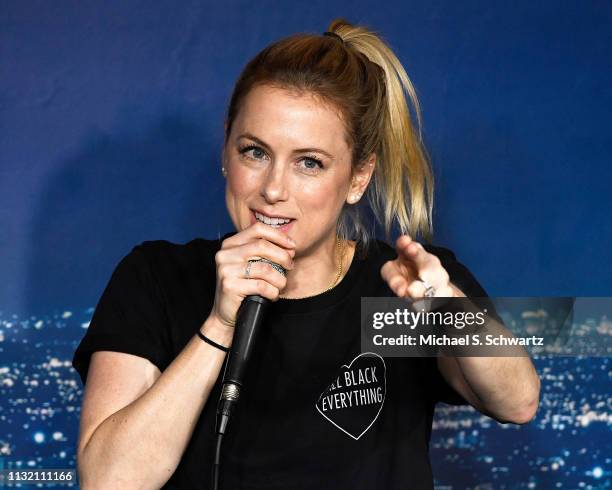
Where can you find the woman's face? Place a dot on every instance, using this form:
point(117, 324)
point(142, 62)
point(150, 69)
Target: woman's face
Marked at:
point(287, 157)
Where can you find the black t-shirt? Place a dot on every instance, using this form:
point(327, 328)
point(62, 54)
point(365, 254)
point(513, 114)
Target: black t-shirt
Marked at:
point(315, 412)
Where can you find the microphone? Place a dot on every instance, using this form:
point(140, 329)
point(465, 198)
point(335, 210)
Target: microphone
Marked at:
point(248, 321)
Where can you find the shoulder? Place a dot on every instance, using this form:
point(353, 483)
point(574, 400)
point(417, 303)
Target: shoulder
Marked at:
point(460, 275)
point(378, 252)
point(197, 253)
point(153, 265)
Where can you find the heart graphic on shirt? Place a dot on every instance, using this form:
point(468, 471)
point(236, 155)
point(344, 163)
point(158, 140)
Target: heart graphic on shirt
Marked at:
point(354, 399)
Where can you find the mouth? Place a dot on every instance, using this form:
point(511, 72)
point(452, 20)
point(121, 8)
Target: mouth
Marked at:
point(274, 221)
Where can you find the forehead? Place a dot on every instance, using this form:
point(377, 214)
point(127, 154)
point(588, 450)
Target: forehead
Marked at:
point(299, 119)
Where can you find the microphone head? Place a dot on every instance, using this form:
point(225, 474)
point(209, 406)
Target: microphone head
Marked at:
point(276, 266)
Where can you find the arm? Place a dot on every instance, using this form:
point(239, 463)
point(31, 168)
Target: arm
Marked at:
point(131, 410)
point(505, 388)
point(136, 421)
point(508, 392)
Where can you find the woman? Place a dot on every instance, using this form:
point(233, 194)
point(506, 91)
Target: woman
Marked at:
point(315, 123)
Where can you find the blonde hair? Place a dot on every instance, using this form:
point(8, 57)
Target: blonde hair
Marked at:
point(359, 75)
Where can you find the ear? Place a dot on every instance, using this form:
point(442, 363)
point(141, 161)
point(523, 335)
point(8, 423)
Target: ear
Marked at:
point(361, 178)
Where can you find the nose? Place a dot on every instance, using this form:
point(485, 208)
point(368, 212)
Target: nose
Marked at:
point(274, 187)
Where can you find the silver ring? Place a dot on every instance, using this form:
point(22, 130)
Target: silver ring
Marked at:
point(273, 264)
point(430, 291)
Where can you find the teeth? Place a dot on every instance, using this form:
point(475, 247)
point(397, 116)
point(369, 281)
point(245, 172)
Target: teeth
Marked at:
point(276, 222)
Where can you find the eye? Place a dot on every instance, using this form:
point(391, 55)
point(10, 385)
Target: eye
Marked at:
point(258, 152)
point(311, 163)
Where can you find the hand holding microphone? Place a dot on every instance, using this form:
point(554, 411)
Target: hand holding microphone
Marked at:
point(259, 241)
point(250, 272)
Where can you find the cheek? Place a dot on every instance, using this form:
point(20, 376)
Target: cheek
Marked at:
point(238, 187)
point(322, 196)
point(240, 183)
point(312, 192)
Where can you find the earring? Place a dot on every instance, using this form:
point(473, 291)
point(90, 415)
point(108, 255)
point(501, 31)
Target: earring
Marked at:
point(224, 172)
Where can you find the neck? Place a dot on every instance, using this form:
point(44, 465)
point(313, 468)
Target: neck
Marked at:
point(313, 273)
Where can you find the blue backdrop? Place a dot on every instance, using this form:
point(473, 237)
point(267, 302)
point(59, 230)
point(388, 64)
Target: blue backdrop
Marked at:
point(111, 123)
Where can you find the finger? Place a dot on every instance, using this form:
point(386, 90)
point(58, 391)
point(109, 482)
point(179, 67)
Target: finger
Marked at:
point(261, 230)
point(414, 253)
point(434, 273)
point(396, 267)
point(262, 248)
point(416, 289)
point(260, 270)
point(394, 277)
point(259, 287)
point(258, 249)
point(389, 269)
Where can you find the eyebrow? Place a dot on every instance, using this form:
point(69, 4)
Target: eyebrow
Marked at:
point(299, 150)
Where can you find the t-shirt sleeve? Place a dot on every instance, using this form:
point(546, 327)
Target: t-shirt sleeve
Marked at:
point(129, 317)
point(461, 277)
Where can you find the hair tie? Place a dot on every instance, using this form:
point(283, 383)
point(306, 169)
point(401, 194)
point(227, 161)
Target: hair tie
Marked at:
point(333, 34)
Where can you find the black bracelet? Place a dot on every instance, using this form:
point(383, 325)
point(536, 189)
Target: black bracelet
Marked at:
point(212, 342)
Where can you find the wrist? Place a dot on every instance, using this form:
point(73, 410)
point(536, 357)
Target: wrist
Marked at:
point(215, 330)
